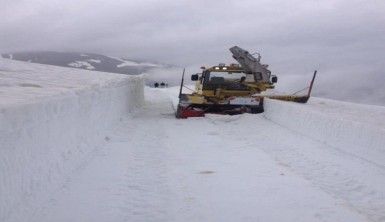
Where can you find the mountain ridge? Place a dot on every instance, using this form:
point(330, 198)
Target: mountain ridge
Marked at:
point(88, 61)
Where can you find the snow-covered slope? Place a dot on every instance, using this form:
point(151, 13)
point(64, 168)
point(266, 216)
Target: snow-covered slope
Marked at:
point(51, 119)
point(353, 128)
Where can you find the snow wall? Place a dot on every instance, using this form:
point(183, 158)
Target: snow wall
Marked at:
point(43, 142)
point(357, 138)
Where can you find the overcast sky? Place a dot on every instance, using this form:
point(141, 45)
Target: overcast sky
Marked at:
point(344, 39)
point(192, 32)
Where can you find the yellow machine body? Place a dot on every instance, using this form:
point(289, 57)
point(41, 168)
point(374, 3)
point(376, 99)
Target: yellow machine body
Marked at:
point(232, 89)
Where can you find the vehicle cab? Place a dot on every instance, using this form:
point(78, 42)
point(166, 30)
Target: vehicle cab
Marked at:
point(229, 78)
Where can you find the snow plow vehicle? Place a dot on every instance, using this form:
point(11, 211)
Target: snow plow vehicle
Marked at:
point(232, 89)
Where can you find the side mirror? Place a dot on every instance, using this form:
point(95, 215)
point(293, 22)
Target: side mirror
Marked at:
point(274, 79)
point(194, 77)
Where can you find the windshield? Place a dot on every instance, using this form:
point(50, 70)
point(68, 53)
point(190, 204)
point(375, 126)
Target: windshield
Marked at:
point(226, 75)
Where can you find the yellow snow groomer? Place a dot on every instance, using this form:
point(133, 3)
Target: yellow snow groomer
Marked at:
point(232, 89)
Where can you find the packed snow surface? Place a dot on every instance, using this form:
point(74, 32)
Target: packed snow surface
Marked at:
point(276, 166)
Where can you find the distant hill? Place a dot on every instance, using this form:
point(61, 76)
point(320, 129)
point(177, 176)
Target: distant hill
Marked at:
point(89, 61)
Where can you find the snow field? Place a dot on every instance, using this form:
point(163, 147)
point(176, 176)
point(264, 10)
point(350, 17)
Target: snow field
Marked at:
point(351, 128)
point(67, 153)
point(42, 141)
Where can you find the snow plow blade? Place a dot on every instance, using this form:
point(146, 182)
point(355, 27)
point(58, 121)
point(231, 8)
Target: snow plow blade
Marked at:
point(199, 110)
point(186, 112)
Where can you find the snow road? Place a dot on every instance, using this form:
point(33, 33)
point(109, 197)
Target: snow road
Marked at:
point(218, 168)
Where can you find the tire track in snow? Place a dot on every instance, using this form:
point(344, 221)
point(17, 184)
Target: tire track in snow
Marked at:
point(355, 180)
point(145, 187)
